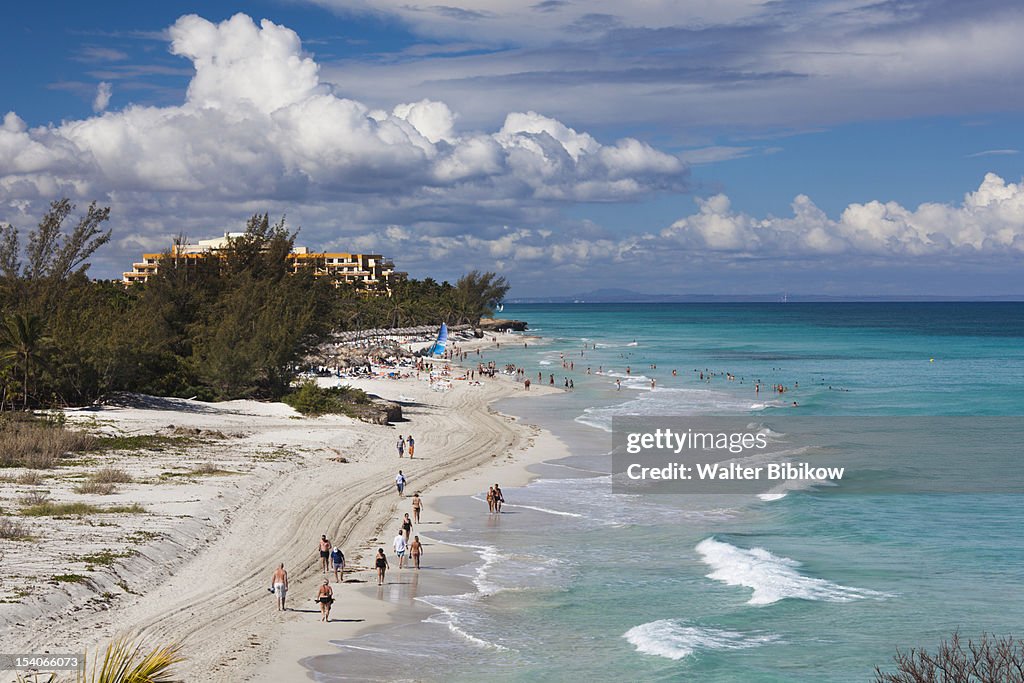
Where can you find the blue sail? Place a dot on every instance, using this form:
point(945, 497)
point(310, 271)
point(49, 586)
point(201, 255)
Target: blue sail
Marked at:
point(442, 341)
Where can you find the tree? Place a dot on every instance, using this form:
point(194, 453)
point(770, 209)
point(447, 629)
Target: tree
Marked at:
point(22, 342)
point(990, 660)
point(476, 295)
point(53, 256)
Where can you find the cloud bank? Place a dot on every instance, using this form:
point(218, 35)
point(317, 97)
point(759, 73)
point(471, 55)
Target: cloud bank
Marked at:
point(751, 63)
point(258, 123)
point(260, 129)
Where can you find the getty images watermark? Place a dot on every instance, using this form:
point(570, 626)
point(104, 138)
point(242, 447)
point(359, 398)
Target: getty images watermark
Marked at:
point(776, 455)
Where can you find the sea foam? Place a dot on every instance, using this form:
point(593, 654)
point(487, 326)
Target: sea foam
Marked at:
point(674, 639)
point(771, 577)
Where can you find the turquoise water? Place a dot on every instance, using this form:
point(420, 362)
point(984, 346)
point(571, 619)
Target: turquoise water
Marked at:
point(575, 582)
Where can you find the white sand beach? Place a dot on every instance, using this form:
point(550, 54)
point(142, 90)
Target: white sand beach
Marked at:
point(195, 565)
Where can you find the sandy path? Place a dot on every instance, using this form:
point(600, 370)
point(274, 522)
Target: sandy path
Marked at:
point(217, 605)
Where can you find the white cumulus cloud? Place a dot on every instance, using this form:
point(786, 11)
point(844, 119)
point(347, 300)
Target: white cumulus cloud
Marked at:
point(990, 220)
point(258, 123)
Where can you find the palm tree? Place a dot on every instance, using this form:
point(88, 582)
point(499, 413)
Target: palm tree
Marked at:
point(22, 342)
point(126, 661)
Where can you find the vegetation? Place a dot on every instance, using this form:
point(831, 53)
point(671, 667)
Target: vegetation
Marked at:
point(990, 660)
point(69, 578)
point(96, 487)
point(51, 509)
point(111, 475)
point(122, 661)
point(37, 443)
point(12, 530)
point(32, 478)
point(104, 558)
point(214, 328)
point(137, 442)
point(311, 399)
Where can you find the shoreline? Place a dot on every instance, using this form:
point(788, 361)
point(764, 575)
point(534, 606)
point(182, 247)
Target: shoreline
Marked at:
point(361, 609)
point(201, 584)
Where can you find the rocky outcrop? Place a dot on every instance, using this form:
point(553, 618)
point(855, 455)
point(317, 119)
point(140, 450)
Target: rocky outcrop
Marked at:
point(378, 411)
point(495, 324)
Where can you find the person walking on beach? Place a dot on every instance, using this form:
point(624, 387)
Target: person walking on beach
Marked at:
point(400, 548)
point(400, 482)
point(400, 446)
point(325, 597)
point(490, 499)
point(498, 498)
point(382, 566)
point(406, 526)
point(417, 505)
point(325, 552)
point(412, 445)
point(338, 562)
point(415, 550)
point(279, 584)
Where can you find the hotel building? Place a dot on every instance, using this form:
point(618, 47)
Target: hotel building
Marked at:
point(370, 271)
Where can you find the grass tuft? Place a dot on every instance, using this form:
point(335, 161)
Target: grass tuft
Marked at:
point(50, 509)
point(35, 443)
point(31, 478)
point(13, 530)
point(95, 487)
point(111, 475)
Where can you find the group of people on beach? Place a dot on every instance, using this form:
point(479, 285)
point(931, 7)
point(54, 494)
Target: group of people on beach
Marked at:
point(405, 542)
point(406, 442)
point(329, 556)
point(332, 559)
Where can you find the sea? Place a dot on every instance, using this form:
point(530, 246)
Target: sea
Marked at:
point(821, 582)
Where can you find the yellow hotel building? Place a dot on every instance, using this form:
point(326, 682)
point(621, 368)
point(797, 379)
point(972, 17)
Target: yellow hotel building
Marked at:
point(370, 271)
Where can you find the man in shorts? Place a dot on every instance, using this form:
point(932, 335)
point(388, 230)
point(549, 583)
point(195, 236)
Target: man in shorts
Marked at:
point(279, 585)
point(338, 562)
point(400, 546)
point(400, 446)
point(400, 482)
point(325, 552)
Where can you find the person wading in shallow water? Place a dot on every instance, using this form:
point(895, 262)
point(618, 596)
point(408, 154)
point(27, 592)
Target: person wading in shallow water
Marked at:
point(417, 505)
point(382, 566)
point(415, 550)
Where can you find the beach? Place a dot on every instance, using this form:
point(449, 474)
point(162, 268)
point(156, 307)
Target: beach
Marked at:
point(819, 581)
point(199, 559)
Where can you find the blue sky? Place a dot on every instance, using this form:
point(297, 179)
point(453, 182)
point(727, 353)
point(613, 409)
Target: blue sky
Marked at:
point(741, 146)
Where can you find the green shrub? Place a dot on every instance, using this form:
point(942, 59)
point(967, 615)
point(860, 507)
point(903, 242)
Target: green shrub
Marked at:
point(311, 399)
point(69, 578)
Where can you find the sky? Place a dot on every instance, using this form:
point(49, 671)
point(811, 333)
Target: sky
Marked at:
point(828, 147)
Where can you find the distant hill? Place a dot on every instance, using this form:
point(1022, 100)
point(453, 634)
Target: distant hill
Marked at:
point(610, 296)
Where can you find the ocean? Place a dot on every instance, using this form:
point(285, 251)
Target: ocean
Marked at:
point(575, 582)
